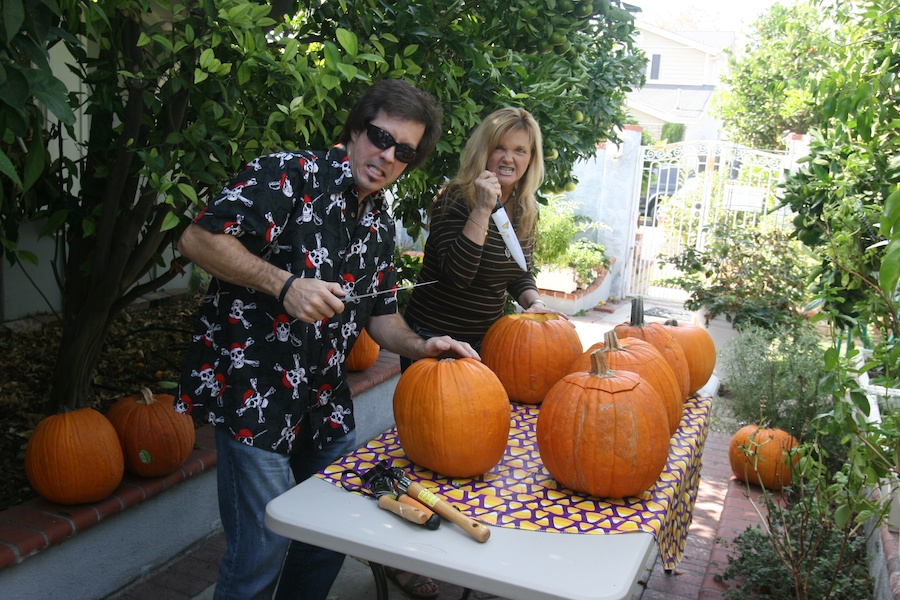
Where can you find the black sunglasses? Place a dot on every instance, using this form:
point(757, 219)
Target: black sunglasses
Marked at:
point(382, 140)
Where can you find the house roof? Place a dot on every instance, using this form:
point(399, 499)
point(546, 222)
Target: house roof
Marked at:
point(723, 40)
point(710, 42)
point(679, 104)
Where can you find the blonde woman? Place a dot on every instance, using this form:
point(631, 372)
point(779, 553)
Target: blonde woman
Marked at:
point(465, 253)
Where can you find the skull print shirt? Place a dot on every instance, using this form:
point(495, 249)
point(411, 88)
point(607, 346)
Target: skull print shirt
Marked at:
point(255, 369)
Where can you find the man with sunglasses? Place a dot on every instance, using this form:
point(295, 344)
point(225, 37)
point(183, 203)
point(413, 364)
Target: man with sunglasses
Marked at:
point(285, 241)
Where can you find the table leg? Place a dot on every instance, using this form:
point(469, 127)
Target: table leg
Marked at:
point(381, 584)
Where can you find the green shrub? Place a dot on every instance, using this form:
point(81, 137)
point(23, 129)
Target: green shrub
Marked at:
point(753, 275)
point(773, 378)
point(804, 556)
point(559, 244)
point(672, 132)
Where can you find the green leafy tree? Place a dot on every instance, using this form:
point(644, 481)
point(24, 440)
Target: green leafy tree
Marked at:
point(846, 197)
point(176, 96)
point(768, 90)
point(847, 193)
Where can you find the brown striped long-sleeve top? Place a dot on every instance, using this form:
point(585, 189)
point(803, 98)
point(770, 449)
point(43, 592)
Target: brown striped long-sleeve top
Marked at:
point(472, 279)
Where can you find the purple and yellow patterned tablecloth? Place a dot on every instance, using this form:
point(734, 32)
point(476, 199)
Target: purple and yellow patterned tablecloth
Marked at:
point(519, 492)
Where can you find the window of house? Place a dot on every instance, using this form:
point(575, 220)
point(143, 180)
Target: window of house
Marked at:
point(654, 66)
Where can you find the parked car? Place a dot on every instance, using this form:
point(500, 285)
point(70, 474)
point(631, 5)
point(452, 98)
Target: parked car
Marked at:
point(663, 181)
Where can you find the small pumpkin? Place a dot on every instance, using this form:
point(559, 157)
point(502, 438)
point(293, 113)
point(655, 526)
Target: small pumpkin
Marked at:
point(452, 416)
point(699, 349)
point(364, 353)
point(760, 456)
point(603, 432)
point(156, 439)
point(529, 352)
point(74, 457)
point(662, 340)
point(638, 356)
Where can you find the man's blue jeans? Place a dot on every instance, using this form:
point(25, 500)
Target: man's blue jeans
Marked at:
point(248, 478)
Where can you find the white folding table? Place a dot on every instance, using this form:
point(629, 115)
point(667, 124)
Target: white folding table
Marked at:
point(513, 563)
point(546, 542)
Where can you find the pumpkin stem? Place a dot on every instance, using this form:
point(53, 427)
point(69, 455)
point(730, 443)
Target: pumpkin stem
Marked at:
point(146, 396)
point(637, 312)
point(599, 366)
point(611, 342)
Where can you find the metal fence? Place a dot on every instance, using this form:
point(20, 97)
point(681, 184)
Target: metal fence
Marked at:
point(686, 190)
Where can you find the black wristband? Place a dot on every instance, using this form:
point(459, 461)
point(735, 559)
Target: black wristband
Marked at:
point(284, 290)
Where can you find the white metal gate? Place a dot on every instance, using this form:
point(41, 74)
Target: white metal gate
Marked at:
point(686, 188)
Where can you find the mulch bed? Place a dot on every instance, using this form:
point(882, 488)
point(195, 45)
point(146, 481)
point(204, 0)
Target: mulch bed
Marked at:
point(144, 348)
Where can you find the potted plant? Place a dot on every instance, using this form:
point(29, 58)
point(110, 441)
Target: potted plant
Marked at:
point(566, 260)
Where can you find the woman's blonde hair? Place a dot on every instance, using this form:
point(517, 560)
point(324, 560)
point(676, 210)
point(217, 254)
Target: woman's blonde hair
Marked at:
point(522, 205)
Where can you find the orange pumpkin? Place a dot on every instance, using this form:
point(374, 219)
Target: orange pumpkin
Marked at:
point(156, 439)
point(760, 456)
point(74, 457)
point(638, 356)
point(452, 416)
point(699, 349)
point(658, 335)
point(603, 432)
point(530, 352)
point(364, 353)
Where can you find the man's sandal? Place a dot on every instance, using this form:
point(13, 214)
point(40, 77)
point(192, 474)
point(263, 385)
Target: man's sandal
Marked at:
point(415, 586)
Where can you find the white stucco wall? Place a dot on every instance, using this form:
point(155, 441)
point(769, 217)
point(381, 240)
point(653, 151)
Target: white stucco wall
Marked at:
point(606, 192)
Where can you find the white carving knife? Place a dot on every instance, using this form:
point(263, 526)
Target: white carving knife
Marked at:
point(504, 226)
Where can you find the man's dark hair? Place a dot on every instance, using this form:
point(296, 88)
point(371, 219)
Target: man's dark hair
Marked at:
point(398, 99)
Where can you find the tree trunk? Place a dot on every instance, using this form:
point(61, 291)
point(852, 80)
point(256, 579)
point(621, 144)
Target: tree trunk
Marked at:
point(78, 354)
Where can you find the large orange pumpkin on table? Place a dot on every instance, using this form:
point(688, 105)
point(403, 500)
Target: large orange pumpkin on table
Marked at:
point(364, 352)
point(658, 335)
point(638, 356)
point(760, 456)
point(603, 432)
point(452, 416)
point(156, 439)
point(529, 352)
point(699, 349)
point(74, 457)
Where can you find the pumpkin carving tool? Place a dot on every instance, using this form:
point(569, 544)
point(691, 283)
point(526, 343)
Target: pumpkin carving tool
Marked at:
point(378, 483)
point(415, 490)
point(357, 297)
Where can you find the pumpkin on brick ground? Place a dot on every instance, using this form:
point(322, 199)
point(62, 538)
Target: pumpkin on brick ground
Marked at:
point(74, 457)
point(364, 353)
point(699, 349)
point(658, 335)
point(760, 456)
point(156, 439)
point(452, 416)
point(638, 356)
point(530, 352)
point(603, 432)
